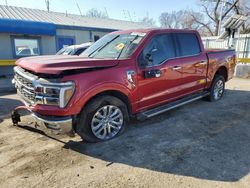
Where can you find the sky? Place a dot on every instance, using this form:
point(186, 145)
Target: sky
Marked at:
point(117, 9)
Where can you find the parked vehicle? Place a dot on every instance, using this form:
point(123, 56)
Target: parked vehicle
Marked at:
point(27, 52)
point(134, 73)
point(74, 49)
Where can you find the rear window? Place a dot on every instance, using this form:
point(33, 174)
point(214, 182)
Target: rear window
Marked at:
point(188, 43)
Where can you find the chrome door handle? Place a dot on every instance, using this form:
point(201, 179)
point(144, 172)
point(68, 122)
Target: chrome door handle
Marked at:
point(176, 68)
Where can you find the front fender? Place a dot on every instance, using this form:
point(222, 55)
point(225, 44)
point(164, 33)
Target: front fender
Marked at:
point(85, 95)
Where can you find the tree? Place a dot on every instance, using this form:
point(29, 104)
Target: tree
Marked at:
point(206, 28)
point(184, 19)
point(168, 20)
point(148, 21)
point(178, 19)
point(95, 13)
point(244, 9)
point(212, 10)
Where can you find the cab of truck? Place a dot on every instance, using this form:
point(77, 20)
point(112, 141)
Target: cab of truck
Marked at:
point(125, 74)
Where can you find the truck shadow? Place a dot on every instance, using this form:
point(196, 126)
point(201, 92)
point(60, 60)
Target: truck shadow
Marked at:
point(6, 106)
point(203, 140)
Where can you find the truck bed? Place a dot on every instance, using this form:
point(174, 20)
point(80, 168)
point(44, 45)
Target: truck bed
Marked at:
point(221, 57)
point(217, 50)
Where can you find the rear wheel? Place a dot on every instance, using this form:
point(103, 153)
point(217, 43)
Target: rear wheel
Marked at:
point(217, 88)
point(102, 119)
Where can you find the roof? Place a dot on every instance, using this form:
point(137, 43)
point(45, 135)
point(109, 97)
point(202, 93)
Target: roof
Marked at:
point(63, 19)
point(154, 30)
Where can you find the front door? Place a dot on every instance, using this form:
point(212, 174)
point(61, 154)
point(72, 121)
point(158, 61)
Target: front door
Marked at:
point(159, 74)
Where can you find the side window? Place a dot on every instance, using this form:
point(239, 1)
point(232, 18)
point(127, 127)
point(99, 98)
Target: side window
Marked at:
point(79, 51)
point(188, 44)
point(159, 49)
point(96, 38)
point(26, 47)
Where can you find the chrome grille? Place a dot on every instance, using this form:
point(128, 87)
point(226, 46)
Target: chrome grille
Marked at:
point(24, 85)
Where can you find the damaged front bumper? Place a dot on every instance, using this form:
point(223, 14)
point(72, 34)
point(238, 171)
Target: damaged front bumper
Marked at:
point(47, 124)
point(56, 125)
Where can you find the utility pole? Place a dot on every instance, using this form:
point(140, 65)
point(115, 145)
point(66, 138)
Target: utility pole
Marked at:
point(135, 17)
point(221, 12)
point(106, 11)
point(124, 13)
point(6, 2)
point(78, 8)
point(47, 4)
point(129, 15)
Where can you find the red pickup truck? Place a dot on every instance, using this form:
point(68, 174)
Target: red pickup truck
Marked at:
point(133, 73)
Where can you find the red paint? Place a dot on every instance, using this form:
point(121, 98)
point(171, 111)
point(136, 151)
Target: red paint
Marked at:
point(58, 63)
point(146, 92)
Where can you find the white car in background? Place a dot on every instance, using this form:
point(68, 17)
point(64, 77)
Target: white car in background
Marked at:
point(27, 52)
point(74, 49)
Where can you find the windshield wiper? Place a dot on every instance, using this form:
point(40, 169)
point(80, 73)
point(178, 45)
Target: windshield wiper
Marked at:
point(101, 47)
point(130, 42)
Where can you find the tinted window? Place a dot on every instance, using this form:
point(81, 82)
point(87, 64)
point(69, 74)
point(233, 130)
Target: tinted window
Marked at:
point(96, 38)
point(159, 49)
point(65, 51)
point(189, 44)
point(79, 51)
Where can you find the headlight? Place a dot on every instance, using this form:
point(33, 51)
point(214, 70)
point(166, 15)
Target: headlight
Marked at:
point(57, 94)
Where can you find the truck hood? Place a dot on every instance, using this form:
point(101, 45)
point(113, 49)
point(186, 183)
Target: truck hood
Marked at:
point(57, 64)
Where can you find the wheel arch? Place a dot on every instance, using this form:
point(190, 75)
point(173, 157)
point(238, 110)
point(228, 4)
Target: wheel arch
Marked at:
point(115, 93)
point(222, 70)
point(119, 92)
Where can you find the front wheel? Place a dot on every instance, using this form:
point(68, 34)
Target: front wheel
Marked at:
point(217, 88)
point(103, 119)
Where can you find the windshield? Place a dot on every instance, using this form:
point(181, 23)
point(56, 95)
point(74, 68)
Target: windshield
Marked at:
point(114, 46)
point(66, 51)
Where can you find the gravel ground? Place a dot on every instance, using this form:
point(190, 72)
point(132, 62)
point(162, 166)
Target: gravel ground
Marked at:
point(202, 144)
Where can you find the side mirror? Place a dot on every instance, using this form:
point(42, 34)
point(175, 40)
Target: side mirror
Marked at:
point(150, 55)
point(156, 73)
point(149, 58)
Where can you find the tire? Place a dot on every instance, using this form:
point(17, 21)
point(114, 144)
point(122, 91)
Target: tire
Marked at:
point(217, 88)
point(91, 119)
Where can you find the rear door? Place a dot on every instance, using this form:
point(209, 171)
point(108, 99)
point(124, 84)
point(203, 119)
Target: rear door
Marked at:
point(193, 62)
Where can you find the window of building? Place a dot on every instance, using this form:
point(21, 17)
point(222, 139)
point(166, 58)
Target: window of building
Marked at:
point(96, 38)
point(189, 44)
point(26, 47)
point(159, 49)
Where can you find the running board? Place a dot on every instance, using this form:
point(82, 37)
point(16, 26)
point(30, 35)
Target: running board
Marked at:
point(164, 108)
